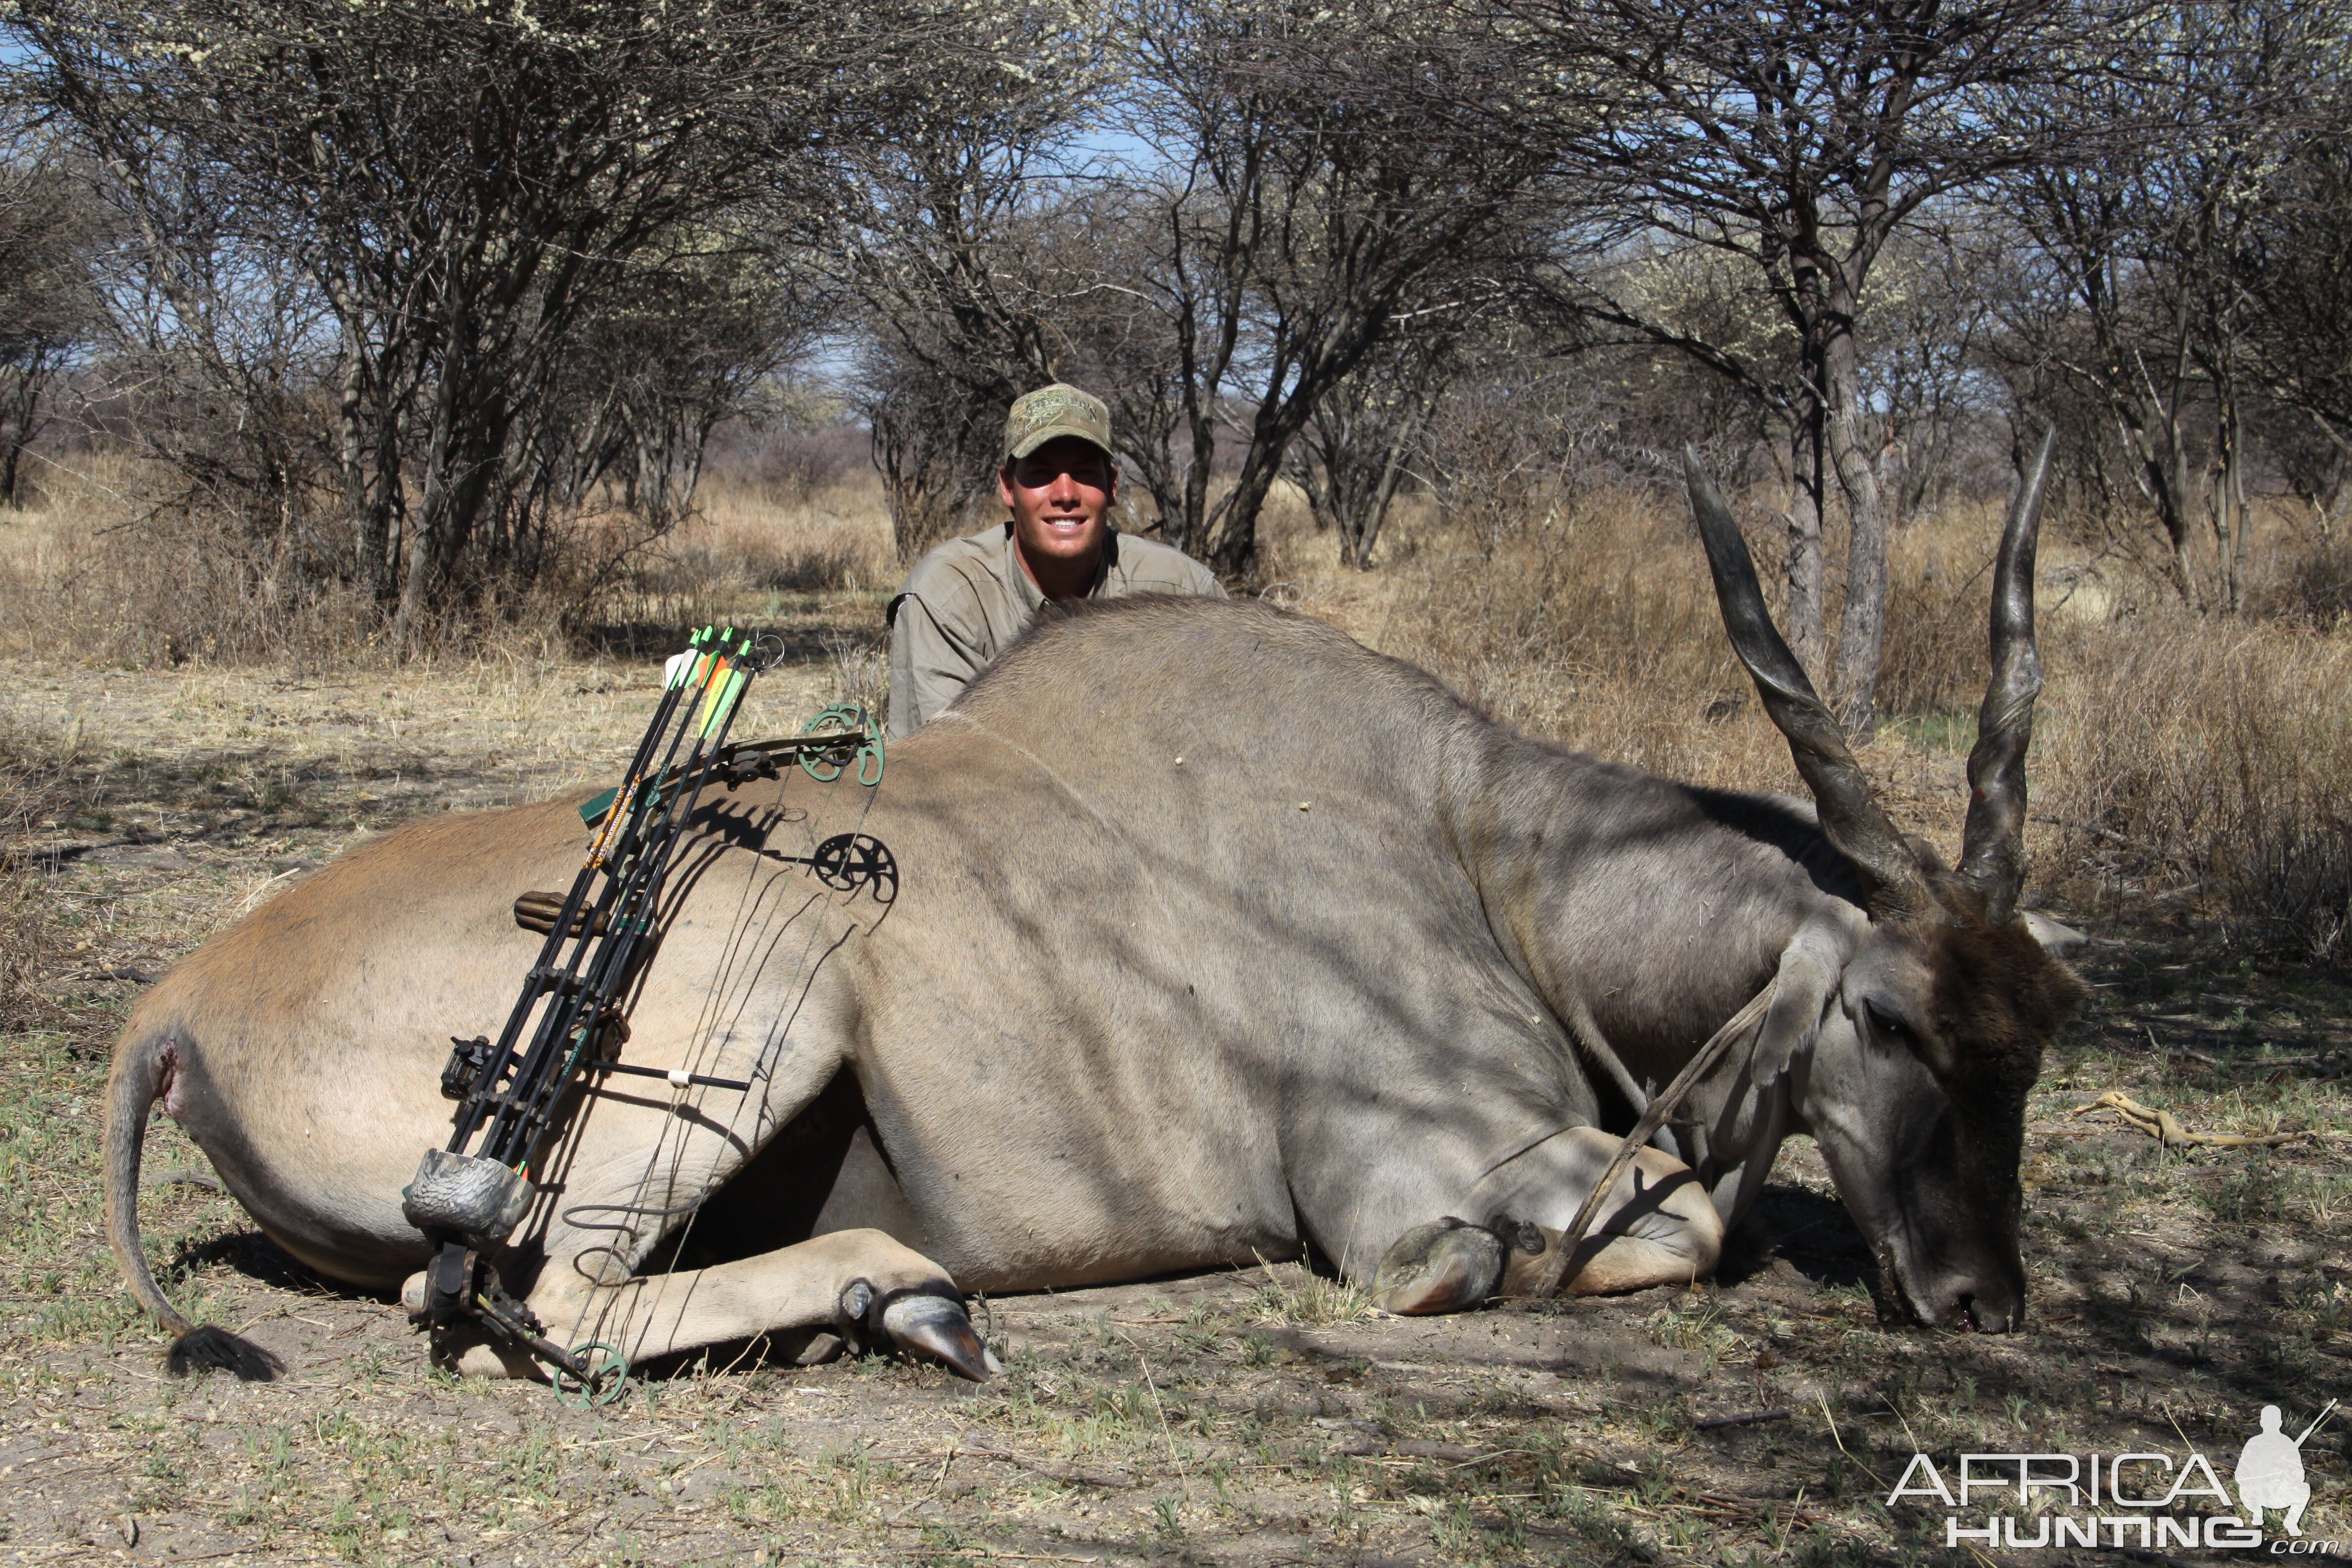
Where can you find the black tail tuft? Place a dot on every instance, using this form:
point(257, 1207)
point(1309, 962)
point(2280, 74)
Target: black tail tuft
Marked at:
point(209, 1347)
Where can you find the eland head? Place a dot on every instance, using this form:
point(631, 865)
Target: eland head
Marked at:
point(1931, 1037)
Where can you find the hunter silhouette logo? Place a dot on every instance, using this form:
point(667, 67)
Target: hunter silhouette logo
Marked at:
point(2270, 1471)
point(2147, 1501)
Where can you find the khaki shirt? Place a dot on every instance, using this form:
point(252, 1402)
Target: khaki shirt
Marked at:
point(969, 598)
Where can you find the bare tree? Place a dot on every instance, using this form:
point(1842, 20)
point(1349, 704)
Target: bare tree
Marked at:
point(2155, 246)
point(1923, 367)
point(2293, 271)
point(648, 379)
point(50, 233)
point(935, 435)
point(967, 252)
point(1214, 288)
point(1363, 438)
point(465, 189)
point(1299, 219)
point(1798, 139)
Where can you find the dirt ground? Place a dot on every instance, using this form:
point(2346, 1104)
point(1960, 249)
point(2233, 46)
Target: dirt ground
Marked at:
point(1264, 1416)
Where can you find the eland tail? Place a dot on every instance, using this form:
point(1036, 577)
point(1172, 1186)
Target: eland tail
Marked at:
point(142, 1070)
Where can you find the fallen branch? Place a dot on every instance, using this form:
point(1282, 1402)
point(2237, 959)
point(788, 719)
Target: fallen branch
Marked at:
point(2161, 1125)
point(1745, 1418)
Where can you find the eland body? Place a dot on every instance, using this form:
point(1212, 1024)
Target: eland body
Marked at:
point(1211, 937)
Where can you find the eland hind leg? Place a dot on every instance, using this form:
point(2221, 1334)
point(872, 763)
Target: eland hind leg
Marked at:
point(641, 1166)
point(857, 1283)
point(861, 1284)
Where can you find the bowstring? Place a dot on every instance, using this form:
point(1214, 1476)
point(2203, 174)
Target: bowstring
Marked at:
point(605, 1296)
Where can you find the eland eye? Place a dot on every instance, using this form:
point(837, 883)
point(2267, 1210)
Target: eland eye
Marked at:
point(1889, 1027)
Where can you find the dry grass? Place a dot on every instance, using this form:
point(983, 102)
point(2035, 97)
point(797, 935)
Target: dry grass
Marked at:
point(1591, 624)
point(2210, 767)
point(30, 795)
point(116, 567)
point(748, 553)
point(113, 567)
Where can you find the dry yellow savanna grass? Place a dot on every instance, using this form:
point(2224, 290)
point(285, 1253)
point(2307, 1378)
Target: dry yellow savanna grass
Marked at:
point(120, 562)
point(123, 564)
point(751, 552)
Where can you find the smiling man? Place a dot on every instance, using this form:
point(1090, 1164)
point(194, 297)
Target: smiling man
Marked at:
point(967, 600)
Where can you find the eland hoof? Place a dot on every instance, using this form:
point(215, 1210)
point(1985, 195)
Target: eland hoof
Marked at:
point(1448, 1267)
point(940, 1328)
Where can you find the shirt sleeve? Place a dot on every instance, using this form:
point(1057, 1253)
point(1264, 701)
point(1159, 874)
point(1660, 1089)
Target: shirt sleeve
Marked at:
point(930, 665)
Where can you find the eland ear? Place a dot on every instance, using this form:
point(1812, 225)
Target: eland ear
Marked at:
point(1808, 976)
point(2056, 940)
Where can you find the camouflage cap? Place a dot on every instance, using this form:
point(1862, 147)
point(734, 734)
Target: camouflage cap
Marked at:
point(1039, 416)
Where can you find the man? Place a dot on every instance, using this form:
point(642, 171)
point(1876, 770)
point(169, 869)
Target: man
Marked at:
point(968, 599)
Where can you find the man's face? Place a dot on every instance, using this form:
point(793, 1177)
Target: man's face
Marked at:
point(1059, 495)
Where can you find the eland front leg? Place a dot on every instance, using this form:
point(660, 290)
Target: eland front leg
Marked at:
point(1655, 1227)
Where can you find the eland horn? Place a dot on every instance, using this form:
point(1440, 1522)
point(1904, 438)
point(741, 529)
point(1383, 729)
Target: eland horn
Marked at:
point(1851, 817)
point(1992, 849)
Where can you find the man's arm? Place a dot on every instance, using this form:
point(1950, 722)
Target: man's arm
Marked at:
point(930, 665)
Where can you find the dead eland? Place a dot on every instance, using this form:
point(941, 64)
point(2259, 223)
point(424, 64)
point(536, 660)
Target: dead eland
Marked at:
point(1214, 937)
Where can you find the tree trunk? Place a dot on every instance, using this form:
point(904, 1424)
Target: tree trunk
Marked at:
point(2182, 483)
point(2157, 479)
point(1391, 475)
point(365, 519)
point(1862, 629)
point(20, 421)
point(17, 437)
point(389, 506)
point(433, 513)
point(1192, 528)
point(1804, 612)
point(2229, 505)
point(1233, 547)
point(1191, 532)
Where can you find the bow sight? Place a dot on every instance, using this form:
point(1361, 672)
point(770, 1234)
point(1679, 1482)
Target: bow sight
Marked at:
point(469, 1197)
